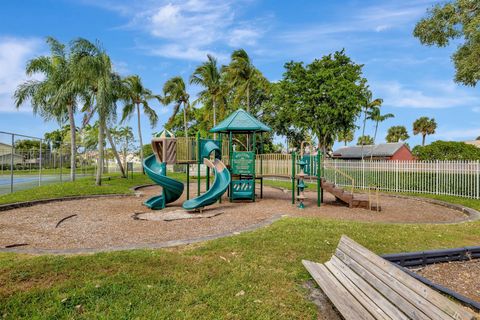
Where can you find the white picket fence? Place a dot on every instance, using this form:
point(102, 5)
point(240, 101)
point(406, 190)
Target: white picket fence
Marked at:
point(455, 178)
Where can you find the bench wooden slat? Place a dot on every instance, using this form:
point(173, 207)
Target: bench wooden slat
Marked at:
point(348, 306)
point(392, 311)
point(430, 296)
point(410, 295)
point(403, 304)
point(363, 299)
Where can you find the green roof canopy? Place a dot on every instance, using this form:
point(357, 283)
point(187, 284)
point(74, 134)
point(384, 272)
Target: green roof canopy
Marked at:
point(240, 121)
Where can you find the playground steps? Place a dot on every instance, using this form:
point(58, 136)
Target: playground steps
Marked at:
point(352, 200)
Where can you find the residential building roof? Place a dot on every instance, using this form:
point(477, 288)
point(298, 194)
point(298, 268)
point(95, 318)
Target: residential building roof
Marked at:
point(378, 150)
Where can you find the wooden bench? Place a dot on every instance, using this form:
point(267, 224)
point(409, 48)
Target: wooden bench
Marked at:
point(363, 285)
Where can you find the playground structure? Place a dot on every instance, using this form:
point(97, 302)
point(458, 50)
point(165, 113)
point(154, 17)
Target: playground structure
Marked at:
point(237, 160)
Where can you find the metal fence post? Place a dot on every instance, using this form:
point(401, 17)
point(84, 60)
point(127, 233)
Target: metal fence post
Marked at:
point(11, 163)
point(40, 165)
point(436, 177)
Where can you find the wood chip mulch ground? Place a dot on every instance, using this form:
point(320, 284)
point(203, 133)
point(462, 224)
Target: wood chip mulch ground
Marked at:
point(107, 222)
point(460, 276)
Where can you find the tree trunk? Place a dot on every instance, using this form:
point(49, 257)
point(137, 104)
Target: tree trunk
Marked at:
point(214, 118)
point(73, 146)
point(248, 100)
point(423, 139)
point(374, 137)
point(101, 140)
point(185, 119)
point(140, 135)
point(115, 153)
point(363, 130)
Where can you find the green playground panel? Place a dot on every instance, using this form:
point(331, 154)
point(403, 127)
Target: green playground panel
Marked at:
point(209, 145)
point(243, 162)
point(242, 189)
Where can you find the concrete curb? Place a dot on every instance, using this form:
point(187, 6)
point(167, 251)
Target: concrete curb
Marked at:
point(167, 244)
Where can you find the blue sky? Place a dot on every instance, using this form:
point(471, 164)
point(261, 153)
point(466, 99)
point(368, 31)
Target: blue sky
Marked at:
point(161, 39)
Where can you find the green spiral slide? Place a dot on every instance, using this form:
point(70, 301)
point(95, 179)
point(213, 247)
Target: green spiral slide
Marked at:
point(220, 185)
point(172, 189)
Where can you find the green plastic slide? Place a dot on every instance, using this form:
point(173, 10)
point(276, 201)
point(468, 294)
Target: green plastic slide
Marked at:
point(172, 189)
point(220, 185)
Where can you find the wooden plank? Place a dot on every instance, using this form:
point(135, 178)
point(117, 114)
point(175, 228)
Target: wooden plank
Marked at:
point(410, 295)
point(403, 304)
point(346, 304)
point(391, 310)
point(449, 307)
point(361, 297)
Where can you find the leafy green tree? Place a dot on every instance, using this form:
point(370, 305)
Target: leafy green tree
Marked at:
point(323, 97)
point(175, 91)
point(455, 20)
point(136, 95)
point(396, 134)
point(53, 97)
point(123, 136)
point(209, 77)
point(375, 115)
point(424, 126)
point(447, 150)
point(345, 136)
point(56, 137)
point(365, 141)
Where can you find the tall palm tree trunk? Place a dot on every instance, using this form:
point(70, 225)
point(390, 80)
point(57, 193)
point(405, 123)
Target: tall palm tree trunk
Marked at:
point(363, 129)
point(214, 118)
point(73, 146)
point(185, 119)
point(423, 139)
point(140, 135)
point(115, 153)
point(101, 138)
point(374, 137)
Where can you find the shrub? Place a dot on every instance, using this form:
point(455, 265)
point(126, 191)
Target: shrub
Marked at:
point(447, 150)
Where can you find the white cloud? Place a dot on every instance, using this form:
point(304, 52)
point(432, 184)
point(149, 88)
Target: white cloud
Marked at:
point(14, 53)
point(459, 134)
point(476, 109)
point(440, 95)
point(187, 29)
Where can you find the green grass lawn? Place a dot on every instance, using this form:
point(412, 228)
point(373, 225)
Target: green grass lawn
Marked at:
point(201, 281)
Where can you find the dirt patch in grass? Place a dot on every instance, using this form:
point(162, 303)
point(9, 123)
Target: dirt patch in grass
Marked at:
point(107, 223)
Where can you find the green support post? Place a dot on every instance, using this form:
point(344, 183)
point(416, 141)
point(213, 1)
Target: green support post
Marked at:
point(188, 181)
point(221, 153)
point(230, 154)
point(261, 166)
point(208, 178)
point(254, 161)
point(319, 180)
point(199, 160)
point(293, 176)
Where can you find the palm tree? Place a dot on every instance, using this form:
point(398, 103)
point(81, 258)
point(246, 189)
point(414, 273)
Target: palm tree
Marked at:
point(364, 141)
point(174, 91)
point(241, 75)
point(346, 136)
point(209, 76)
point(96, 77)
point(137, 95)
point(51, 97)
point(396, 134)
point(370, 104)
point(425, 126)
point(123, 136)
point(375, 115)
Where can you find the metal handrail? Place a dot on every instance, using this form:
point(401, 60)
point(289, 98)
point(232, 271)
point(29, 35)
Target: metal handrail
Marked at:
point(343, 174)
point(377, 201)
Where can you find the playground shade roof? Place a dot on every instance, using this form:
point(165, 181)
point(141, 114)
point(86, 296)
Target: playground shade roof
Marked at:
point(240, 121)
